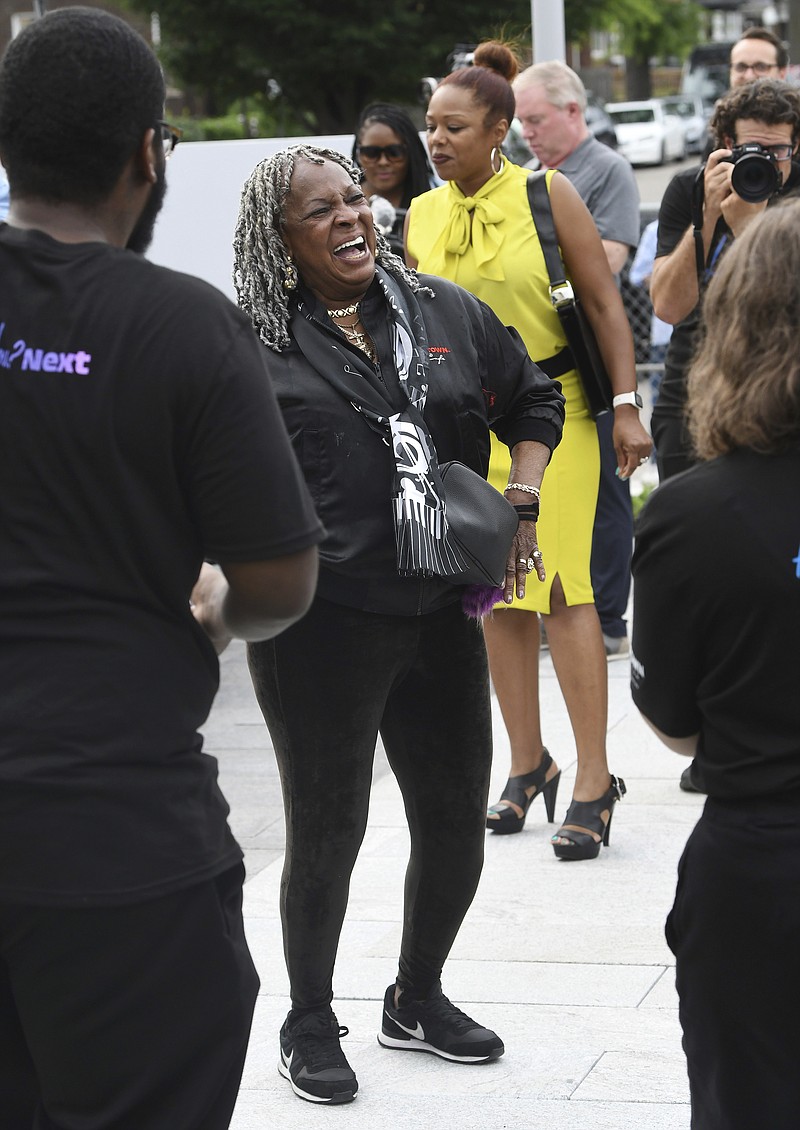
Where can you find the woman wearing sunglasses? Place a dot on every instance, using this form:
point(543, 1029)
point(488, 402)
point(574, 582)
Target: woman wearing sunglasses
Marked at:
point(395, 163)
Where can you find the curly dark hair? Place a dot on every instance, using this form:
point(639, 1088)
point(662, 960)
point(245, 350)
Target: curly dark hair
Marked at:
point(768, 100)
point(419, 177)
point(78, 90)
point(261, 260)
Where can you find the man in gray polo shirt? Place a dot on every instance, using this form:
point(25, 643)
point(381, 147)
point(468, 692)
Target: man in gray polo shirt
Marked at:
point(551, 104)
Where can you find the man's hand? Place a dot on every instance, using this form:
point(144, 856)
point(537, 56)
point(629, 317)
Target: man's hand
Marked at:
point(716, 186)
point(206, 602)
point(722, 200)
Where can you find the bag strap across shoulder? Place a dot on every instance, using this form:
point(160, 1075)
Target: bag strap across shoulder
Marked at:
point(542, 212)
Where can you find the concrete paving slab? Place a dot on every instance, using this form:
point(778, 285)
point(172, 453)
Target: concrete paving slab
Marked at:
point(566, 960)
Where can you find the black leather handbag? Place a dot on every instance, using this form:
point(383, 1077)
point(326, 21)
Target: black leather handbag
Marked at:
point(581, 341)
point(482, 524)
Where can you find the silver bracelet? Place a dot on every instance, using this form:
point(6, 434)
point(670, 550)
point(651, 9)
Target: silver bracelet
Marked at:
point(523, 487)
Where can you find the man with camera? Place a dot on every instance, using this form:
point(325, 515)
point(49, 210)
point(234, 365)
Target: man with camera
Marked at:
point(756, 128)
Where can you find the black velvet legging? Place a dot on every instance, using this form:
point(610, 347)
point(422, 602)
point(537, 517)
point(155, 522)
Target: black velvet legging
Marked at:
point(327, 686)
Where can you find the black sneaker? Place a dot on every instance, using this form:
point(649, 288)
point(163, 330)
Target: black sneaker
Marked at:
point(312, 1060)
point(436, 1025)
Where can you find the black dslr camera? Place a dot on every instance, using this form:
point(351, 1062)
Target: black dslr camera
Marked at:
point(756, 175)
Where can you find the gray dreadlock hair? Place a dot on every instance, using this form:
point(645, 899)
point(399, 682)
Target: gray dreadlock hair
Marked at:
point(260, 259)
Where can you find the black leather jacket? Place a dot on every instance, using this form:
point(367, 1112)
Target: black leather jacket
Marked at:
point(480, 377)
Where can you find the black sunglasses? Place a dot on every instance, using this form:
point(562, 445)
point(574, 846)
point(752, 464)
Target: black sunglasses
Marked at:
point(375, 152)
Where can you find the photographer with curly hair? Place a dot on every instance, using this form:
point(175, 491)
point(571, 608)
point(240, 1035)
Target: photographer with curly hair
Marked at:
point(703, 211)
point(703, 204)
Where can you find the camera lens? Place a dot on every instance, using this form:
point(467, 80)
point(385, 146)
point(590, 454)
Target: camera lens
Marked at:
point(755, 177)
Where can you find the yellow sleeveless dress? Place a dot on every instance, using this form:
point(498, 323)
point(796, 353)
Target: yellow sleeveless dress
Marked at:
point(488, 245)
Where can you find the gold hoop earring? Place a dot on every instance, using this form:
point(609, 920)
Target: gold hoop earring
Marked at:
point(496, 153)
point(290, 279)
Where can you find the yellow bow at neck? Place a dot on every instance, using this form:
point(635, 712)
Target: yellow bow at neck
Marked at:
point(475, 219)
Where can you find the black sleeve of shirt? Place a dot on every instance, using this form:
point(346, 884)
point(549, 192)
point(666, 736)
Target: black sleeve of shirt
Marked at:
point(524, 403)
point(675, 214)
point(667, 633)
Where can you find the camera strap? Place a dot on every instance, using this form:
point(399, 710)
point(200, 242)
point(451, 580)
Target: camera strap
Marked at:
point(704, 269)
point(698, 197)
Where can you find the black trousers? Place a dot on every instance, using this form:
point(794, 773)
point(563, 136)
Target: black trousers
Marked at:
point(612, 537)
point(673, 445)
point(734, 930)
point(126, 1018)
point(327, 686)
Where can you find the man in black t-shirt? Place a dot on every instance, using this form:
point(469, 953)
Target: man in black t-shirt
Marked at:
point(140, 436)
point(703, 201)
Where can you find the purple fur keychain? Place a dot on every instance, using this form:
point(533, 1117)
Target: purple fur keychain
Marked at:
point(479, 600)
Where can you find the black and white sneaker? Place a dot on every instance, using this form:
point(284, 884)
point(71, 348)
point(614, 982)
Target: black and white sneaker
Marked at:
point(312, 1059)
point(436, 1025)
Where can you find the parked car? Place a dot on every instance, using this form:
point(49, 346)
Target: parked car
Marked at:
point(515, 146)
point(598, 120)
point(646, 134)
point(706, 73)
point(692, 113)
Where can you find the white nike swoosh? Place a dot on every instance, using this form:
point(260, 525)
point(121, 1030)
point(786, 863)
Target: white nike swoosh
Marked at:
point(418, 1032)
point(288, 1061)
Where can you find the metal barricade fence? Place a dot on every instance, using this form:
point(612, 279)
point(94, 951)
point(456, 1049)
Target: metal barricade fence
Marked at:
point(639, 309)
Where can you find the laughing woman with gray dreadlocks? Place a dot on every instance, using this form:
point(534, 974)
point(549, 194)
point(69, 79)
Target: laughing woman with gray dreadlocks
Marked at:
point(368, 366)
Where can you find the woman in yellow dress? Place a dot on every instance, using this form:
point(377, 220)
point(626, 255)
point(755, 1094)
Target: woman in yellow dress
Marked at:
point(477, 230)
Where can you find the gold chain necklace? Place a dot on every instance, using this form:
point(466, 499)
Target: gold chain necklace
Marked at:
point(360, 340)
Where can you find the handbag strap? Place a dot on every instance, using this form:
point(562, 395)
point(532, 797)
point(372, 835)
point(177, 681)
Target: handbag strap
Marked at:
point(542, 212)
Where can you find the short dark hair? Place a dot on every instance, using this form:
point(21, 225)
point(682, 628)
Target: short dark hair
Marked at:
point(420, 174)
point(781, 54)
point(78, 89)
point(768, 100)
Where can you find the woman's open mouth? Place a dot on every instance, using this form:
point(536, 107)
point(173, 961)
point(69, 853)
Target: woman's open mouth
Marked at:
point(353, 249)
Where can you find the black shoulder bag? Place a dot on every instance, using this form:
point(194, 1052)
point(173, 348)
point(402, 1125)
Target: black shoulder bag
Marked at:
point(581, 342)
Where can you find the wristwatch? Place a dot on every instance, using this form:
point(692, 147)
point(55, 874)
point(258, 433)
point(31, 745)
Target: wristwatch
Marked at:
point(628, 398)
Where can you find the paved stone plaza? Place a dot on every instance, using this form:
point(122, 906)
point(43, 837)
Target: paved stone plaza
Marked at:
point(567, 961)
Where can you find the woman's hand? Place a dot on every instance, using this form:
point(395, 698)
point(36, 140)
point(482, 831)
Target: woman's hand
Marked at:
point(631, 442)
point(524, 557)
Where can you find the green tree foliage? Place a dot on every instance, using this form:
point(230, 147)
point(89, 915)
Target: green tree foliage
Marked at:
point(646, 28)
point(670, 28)
point(328, 60)
point(584, 16)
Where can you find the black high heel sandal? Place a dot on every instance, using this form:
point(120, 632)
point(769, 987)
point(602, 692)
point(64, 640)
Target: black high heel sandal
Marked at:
point(588, 814)
point(516, 792)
